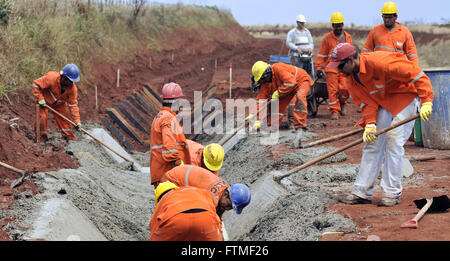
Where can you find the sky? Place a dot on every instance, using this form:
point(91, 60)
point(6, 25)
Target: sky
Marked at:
point(362, 12)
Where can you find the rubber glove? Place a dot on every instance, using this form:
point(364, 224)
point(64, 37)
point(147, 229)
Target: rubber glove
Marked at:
point(426, 110)
point(78, 127)
point(42, 103)
point(248, 117)
point(256, 125)
point(275, 95)
point(181, 163)
point(369, 132)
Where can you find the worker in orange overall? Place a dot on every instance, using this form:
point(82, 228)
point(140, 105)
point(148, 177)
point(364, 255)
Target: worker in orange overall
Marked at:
point(209, 157)
point(168, 143)
point(58, 90)
point(337, 83)
point(184, 214)
point(388, 88)
point(282, 82)
point(391, 36)
point(224, 197)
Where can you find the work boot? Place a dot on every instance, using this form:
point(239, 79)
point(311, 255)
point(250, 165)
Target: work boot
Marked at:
point(389, 202)
point(334, 116)
point(353, 199)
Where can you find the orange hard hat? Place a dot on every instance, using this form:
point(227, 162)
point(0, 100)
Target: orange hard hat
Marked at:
point(171, 91)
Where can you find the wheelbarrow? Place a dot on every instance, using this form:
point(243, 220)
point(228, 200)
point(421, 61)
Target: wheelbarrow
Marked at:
point(318, 94)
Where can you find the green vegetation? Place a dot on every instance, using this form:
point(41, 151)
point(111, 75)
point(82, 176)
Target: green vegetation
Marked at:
point(44, 35)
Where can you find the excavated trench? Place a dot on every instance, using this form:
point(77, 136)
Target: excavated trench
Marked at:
point(105, 199)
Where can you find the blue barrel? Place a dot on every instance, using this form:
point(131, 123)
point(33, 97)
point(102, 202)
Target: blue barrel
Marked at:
point(436, 132)
point(280, 59)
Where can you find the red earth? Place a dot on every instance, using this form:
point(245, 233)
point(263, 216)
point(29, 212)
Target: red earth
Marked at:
point(195, 51)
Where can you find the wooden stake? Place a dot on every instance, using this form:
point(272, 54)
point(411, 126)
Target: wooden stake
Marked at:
point(172, 57)
point(38, 123)
point(231, 77)
point(118, 78)
point(96, 98)
point(150, 62)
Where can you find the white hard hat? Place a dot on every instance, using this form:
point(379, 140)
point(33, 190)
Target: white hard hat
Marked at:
point(301, 18)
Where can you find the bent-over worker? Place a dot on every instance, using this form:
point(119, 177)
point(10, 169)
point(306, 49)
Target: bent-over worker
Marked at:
point(209, 157)
point(388, 88)
point(58, 90)
point(184, 214)
point(224, 197)
point(282, 82)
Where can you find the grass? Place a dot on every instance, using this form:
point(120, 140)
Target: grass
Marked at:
point(44, 35)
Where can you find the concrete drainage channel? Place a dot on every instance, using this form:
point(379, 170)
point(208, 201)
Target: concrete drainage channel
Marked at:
point(104, 200)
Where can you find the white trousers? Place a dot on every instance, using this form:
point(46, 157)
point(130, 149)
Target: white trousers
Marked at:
point(387, 147)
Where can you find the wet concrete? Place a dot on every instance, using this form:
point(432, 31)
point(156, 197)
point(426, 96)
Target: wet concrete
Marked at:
point(296, 209)
point(118, 202)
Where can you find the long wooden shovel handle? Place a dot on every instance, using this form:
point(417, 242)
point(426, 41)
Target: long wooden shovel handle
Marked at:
point(332, 138)
point(12, 168)
point(243, 125)
point(354, 143)
point(424, 209)
point(92, 136)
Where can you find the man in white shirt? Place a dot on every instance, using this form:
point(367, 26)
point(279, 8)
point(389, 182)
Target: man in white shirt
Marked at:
point(301, 45)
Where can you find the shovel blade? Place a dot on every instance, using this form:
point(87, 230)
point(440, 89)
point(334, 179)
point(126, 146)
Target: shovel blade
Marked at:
point(410, 224)
point(440, 204)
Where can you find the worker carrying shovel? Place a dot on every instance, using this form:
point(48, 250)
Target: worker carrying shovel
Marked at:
point(58, 90)
point(388, 88)
point(282, 82)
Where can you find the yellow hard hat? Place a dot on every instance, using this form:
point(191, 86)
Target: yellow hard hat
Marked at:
point(337, 18)
point(389, 8)
point(163, 187)
point(213, 155)
point(258, 69)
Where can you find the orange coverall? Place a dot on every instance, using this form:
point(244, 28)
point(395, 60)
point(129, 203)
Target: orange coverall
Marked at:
point(389, 81)
point(190, 175)
point(337, 83)
point(398, 40)
point(196, 154)
point(168, 145)
point(48, 87)
point(293, 85)
point(185, 214)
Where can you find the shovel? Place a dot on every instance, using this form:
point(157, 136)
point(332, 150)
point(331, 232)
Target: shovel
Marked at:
point(278, 178)
point(435, 204)
point(18, 181)
point(92, 136)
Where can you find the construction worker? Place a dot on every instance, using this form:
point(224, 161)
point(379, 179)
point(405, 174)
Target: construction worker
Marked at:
point(224, 197)
point(282, 82)
point(58, 90)
point(184, 214)
point(168, 143)
point(209, 157)
point(391, 36)
point(300, 45)
point(388, 88)
point(337, 83)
